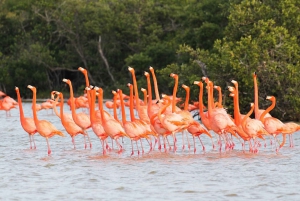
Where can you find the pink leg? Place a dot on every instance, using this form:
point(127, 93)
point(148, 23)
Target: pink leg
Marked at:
point(85, 146)
point(203, 147)
point(33, 141)
point(103, 146)
point(187, 139)
point(142, 146)
point(132, 152)
point(73, 141)
point(137, 146)
point(183, 145)
point(89, 139)
point(194, 145)
point(49, 150)
point(30, 142)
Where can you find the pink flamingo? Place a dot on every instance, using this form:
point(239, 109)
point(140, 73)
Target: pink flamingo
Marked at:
point(26, 122)
point(44, 128)
point(81, 119)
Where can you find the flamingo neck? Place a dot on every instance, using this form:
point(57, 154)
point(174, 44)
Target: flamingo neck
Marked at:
point(72, 101)
point(100, 99)
point(122, 107)
point(187, 98)
point(54, 107)
point(201, 101)
point(91, 97)
point(271, 107)
point(255, 98)
point(87, 82)
point(155, 85)
point(35, 118)
point(209, 102)
point(162, 110)
point(145, 97)
point(174, 94)
point(61, 107)
point(131, 103)
point(137, 99)
point(115, 107)
point(149, 94)
point(20, 106)
point(220, 98)
point(246, 117)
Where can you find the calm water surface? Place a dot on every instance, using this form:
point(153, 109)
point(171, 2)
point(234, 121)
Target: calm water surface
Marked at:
point(81, 174)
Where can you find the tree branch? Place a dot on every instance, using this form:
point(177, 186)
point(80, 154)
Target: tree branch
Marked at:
point(105, 60)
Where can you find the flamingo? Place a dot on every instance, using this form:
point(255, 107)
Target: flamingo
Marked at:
point(44, 128)
point(292, 127)
point(71, 127)
point(26, 122)
point(219, 103)
point(142, 110)
point(97, 126)
point(134, 130)
point(112, 127)
point(258, 112)
point(253, 127)
point(155, 84)
point(273, 125)
point(67, 116)
point(81, 119)
point(194, 128)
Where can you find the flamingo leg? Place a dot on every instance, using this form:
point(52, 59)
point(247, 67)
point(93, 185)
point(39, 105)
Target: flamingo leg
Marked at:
point(203, 147)
point(137, 146)
point(183, 145)
point(103, 146)
point(33, 141)
point(88, 138)
point(30, 142)
point(48, 145)
point(73, 141)
point(132, 152)
point(142, 146)
point(194, 144)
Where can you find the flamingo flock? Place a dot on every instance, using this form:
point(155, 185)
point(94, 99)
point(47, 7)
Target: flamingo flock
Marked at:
point(158, 120)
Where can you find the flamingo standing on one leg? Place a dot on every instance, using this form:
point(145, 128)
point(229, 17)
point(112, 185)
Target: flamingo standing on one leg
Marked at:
point(26, 122)
point(44, 128)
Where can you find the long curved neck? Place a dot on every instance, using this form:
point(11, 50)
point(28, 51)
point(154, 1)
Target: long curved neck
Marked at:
point(137, 99)
point(255, 98)
point(155, 85)
point(246, 117)
point(174, 94)
point(87, 82)
point(100, 99)
point(91, 96)
point(220, 97)
point(20, 106)
point(162, 109)
point(122, 107)
point(61, 108)
point(54, 107)
point(201, 100)
point(149, 94)
point(115, 107)
point(209, 102)
point(131, 103)
point(72, 101)
point(35, 118)
point(237, 117)
point(187, 98)
point(145, 97)
point(211, 86)
point(271, 107)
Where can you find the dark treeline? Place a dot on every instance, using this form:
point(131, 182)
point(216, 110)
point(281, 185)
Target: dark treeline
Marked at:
point(42, 42)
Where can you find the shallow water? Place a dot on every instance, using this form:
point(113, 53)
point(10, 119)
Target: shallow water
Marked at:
point(81, 174)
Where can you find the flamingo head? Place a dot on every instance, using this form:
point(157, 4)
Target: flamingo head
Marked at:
point(254, 75)
point(143, 90)
point(173, 75)
point(231, 89)
point(17, 88)
point(217, 87)
point(52, 94)
point(66, 81)
point(32, 88)
point(146, 74)
point(185, 87)
point(200, 84)
point(82, 70)
point(131, 69)
point(114, 92)
point(252, 105)
point(231, 94)
point(271, 98)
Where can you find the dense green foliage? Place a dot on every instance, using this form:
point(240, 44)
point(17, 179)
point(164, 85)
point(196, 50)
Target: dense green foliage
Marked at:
point(42, 42)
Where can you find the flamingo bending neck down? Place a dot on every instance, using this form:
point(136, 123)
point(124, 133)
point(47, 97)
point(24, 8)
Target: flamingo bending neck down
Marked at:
point(44, 128)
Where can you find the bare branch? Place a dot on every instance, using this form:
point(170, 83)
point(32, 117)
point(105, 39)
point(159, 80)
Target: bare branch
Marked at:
point(105, 60)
